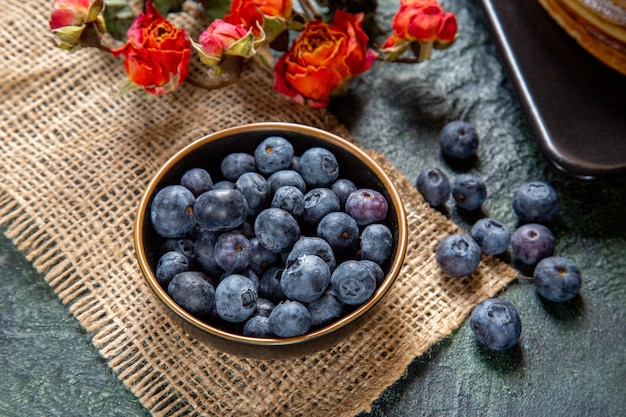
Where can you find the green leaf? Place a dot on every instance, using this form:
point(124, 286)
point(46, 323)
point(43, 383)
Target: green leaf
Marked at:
point(168, 6)
point(118, 17)
point(217, 9)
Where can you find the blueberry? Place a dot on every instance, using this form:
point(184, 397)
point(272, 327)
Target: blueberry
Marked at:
point(258, 326)
point(236, 164)
point(342, 189)
point(204, 253)
point(458, 140)
point(340, 230)
point(434, 185)
point(273, 154)
point(557, 278)
point(367, 206)
point(172, 211)
point(264, 307)
point(276, 229)
point(305, 279)
point(269, 287)
point(225, 185)
point(290, 319)
point(469, 191)
point(286, 177)
point(221, 209)
point(312, 245)
point(182, 245)
point(492, 236)
point(458, 255)
point(169, 265)
point(254, 188)
point(535, 202)
point(235, 298)
point(319, 167)
point(318, 202)
point(376, 269)
point(261, 258)
point(532, 242)
point(496, 324)
point(325, 309)
point(193, 292)
point(290, 199)
point(232, 252)
point(197, 180)
point(376, 243)
point(353, 282)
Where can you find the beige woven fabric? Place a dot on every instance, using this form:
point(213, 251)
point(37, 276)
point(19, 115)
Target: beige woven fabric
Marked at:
point(75, 157)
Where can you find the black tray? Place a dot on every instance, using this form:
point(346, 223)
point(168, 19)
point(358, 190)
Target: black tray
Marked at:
point(576, 105)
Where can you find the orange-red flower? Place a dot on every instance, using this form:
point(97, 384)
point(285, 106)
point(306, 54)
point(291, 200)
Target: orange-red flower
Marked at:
point(156, 52)
point(77, 23)
point(423, 21)
point(271, 15)
point(322, 58)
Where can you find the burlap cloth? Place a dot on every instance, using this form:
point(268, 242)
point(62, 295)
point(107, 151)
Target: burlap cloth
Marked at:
point(75, 157)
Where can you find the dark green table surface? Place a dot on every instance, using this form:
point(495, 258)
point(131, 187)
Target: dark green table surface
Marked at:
point(571, 359)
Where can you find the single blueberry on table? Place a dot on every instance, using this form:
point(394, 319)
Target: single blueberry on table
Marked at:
point(492, 236)
point(273, 154)
point(496, 324)
point(312, 245)
point(340, 230)
point(367, 206)
point(376, 243)
point(254, 188)
point(434, 185)
point(290, 199)
point(325, 309)
point(318, 202)
point(235, 298)
point(276, 229)
point(536, 202)
point(557, 278)
point(353, 282)
point(286, 177)
point(469, 191)
point(319, 167)
point(305, 279)
point(197, 180)
point(532, 242)
point(221, 209)
point(458, 140)
point(343, 188)
point(236, 164)
point(232, 252)
point(458, 255)
point(169, 265)
point(172, 211)
point(258, 326)
point(290, 319)
point(192, 291)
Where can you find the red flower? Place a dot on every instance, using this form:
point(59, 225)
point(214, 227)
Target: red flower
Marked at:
point(422, 21)
point(269, 14)
point(156, 52)
point(322, 58)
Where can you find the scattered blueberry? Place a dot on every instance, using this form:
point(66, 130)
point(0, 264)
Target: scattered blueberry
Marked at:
point(532, 242)
point(172, 211)
point(290, 319)
point(458, 255)
point(197, 180)
point(557, 278)
point(496, 324)
point(434, 185)
point(536, 202)
point(469, 191)
point(235, 298)
point(367, 206)
point(492, 236)
point(193, 292)
point(458, 140)
point(318, 167)
point(273, 154)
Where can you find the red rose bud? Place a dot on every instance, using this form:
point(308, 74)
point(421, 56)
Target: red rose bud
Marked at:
point(322, 58)
point(157, 53)
point(77, 23)
point(270, 15)
point(222, 38)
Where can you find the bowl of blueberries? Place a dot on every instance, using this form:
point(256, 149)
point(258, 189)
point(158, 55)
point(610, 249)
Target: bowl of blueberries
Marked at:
point(270, 239)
